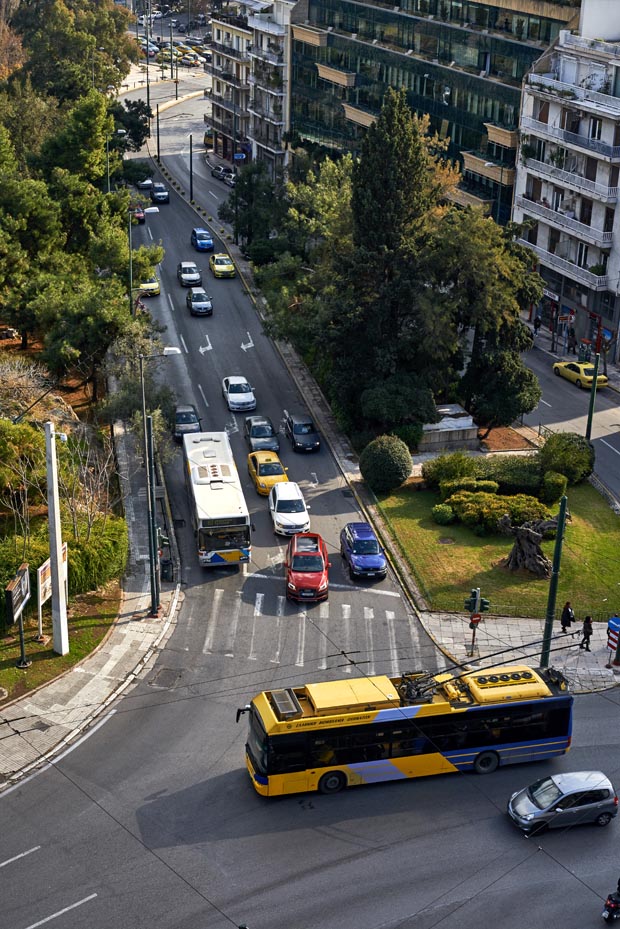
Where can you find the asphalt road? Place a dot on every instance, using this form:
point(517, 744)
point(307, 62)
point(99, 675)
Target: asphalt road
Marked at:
point(564, 408)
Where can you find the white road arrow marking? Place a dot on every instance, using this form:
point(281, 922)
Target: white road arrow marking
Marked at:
point(206, 348)
point(249, 344)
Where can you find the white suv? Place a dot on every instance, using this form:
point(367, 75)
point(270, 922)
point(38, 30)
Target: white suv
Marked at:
point(288, 509)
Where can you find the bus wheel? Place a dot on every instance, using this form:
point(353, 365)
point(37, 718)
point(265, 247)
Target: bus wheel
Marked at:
point(486, 762)
point(332, 783)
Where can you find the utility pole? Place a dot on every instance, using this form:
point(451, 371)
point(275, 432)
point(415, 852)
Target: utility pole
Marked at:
point(592, 397)
point(59, 603)
point(191, 171)
point(553, 585)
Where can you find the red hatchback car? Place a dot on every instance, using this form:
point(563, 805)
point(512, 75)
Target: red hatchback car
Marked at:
point(306, 564)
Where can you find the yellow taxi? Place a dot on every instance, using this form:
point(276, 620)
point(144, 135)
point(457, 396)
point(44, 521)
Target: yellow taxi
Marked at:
point(222, 266)
point(266, 469)
point(149, 287)
point(581, 374)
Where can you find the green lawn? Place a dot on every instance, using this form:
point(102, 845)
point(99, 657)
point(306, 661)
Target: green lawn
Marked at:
point(589, 573)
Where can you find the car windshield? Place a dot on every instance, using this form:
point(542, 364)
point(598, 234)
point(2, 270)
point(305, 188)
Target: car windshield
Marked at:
point(238, 388)
point(261, 432)
point(303, 428)
point(150, 280)
point(588, 372)
point(307, 563)
point(222, 261)
point(366, 547)
point(189, 269)
point(199, 298)
point(269, 469)
point(185, 418)
point(203, 237)
point(290, 506)
point(544, 793)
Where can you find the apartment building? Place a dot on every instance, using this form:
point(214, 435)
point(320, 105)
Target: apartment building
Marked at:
point(567, 178)
point(230, 94)
point(462, 62)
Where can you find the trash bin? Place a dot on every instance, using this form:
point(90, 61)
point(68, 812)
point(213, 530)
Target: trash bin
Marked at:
point(166, 570)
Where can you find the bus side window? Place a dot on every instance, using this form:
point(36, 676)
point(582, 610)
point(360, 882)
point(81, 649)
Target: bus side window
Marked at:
point(409, 742)
point(287, 753)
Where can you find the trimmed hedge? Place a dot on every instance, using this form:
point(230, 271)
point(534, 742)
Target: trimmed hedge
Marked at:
point(385, 463)
point(447, 488)
point(567, 453)
point(447, 468)
point(553, 487)
point(484, 510)
point(443, 514)
point(515, 474)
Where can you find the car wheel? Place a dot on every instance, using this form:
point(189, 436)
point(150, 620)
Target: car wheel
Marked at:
point(332, 783)
point(603, 819)
point(556, 371)
point(539, 829)
point(341, 552)
point(486, 763)
point(578, 383)
point(351, 573)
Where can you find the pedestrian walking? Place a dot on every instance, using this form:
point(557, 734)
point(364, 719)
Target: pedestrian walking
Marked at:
point(586, 632)
point(537, 325)
point(567, 616)
point(572, 341)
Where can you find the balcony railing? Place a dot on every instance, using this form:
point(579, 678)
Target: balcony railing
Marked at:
point(224, 48)
point(569, 92)
point(561, 220)
point(567, 39)
point(266, 54)
point(275, 146)
point(572, 138)
point(606, 194)
point(571, 270)
point(266, 112)
point(266, 25)
point(232, 106)
point(229, 19)
point(228, 78)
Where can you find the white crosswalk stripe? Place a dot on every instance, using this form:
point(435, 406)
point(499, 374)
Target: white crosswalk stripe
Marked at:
point(369, 615)
point(323, 639)
point(301, 638)
point(212, 620)
point(279, 615)
point(234, 624)
point(258, 612)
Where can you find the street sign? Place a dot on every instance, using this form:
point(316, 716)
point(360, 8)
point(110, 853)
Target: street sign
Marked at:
point(475, 618)
point(17, 594)
point(239, 156)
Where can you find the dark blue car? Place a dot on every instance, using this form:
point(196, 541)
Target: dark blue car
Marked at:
point(202, 240)
point(360, 549)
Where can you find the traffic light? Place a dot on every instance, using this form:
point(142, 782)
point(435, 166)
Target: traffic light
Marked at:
point(472, 601)
point(161, 538)
point(484, 605)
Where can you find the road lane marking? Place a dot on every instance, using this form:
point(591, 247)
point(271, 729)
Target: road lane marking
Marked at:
point(217, 598)
point(185, 349)
point(3, 864)
point(346, 618)
point(258, 611)
point(279, 615)
point(323, 615)
point(202, 394)
point(170, 302)
point(232, 632)
point(361, 590)
point(545, 402)
point(301, 638)
point(213, 195)
point(67, 909)
point(609, 446)
point(391, 618)
point(369, 615)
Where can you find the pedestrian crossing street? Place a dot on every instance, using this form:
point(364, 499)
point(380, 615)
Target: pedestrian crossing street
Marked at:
point(264, 629)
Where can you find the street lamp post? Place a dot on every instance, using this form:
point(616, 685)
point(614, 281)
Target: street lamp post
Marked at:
point(191, 170)
point(149, 461)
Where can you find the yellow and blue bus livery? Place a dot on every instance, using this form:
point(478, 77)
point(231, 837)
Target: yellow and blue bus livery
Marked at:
point(337, 734)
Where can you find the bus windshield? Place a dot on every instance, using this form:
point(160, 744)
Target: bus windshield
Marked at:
point(219, 538)
point(257, 744)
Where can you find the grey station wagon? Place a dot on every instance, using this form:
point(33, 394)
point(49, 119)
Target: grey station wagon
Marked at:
point(564, 800)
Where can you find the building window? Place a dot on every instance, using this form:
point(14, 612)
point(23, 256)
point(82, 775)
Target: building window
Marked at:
point(582, 254)
point(596, 127)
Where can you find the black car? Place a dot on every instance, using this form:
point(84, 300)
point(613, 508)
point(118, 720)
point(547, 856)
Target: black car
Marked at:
point(260, 434)
point(186, 420)
point(301, 431)
point(160, 194)
point(221, 171)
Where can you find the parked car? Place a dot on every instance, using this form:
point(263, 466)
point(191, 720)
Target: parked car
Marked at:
point(188, 274)
point(301, 432)
point(580, 374)
point(150, 287)
point(306, 567)
point(265, 469)
point(231, 180)
point(260, 434)
point(146, 184)
point(361, 551)
point(288, 510)
point(561, 800)
point(201, 239)
point(222, 266)
point(160, 193)
point(238, 394)
point(199, 302)
point(137, 211)
point(186, 420)
point(221, 171)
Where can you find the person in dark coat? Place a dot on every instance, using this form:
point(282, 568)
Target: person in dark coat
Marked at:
point(567, 617)
point(572, 341)
point(587, 633)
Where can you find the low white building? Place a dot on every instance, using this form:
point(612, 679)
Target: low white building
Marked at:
point(567, 179)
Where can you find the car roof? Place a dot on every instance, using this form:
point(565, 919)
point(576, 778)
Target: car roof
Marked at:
point(361, 530)
point(197, 290)
point(581, 780)
point(198, 229)
point(264, 457)
point(185, 408)
point(307, 542)
point(187, 264)
point(301, 418)
point(222, 255)
point(237, 379)
point(159, 184)
point(258, 420)
point(288, 489)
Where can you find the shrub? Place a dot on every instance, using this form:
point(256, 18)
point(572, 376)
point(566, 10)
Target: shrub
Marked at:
point(411, 434)
point(515, 474)
point(447, 488)
point(481, 509)
point(385, 463)
point(568, 454)
point(447, 468)
point(443, 514)
point(553, 487)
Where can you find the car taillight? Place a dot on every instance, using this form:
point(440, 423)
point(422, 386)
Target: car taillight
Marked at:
point(615, 801)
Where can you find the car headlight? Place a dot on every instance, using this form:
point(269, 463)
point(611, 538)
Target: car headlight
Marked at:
point(291, 586)
point(279, 525)
point(262, 484)
point(323, 585)
point(527, 817)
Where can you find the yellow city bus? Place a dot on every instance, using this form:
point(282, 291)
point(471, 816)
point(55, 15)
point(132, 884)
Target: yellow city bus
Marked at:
point(339, 734)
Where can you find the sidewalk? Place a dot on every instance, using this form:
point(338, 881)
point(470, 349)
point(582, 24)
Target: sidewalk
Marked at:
point(38, 728)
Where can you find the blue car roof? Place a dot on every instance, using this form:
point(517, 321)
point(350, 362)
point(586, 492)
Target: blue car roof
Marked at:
point(361, 531)
point(200, 229)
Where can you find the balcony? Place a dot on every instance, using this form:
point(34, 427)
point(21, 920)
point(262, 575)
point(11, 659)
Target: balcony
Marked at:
point(571, 270)
point(611, 152)
point(268, 113)
point(602, 103)
point(226, 48)
point(576, 181)
point(266, 25)
point(562, 221)
point(507, 138)
point(336, 76)
point(229, 19)
point(309, 34)
point(267, 54)
point(267, 84)
point(568, 40)
point(361, 117)
point(479, 163)
point(263, 140)
point(228, 78)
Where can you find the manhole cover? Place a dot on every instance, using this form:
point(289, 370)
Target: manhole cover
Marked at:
point(166, 678)
point(446, 541)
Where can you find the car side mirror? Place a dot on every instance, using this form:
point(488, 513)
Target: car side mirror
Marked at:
point(286, 564)
point(329, 564)
point(558, 809)
point(286, 469)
